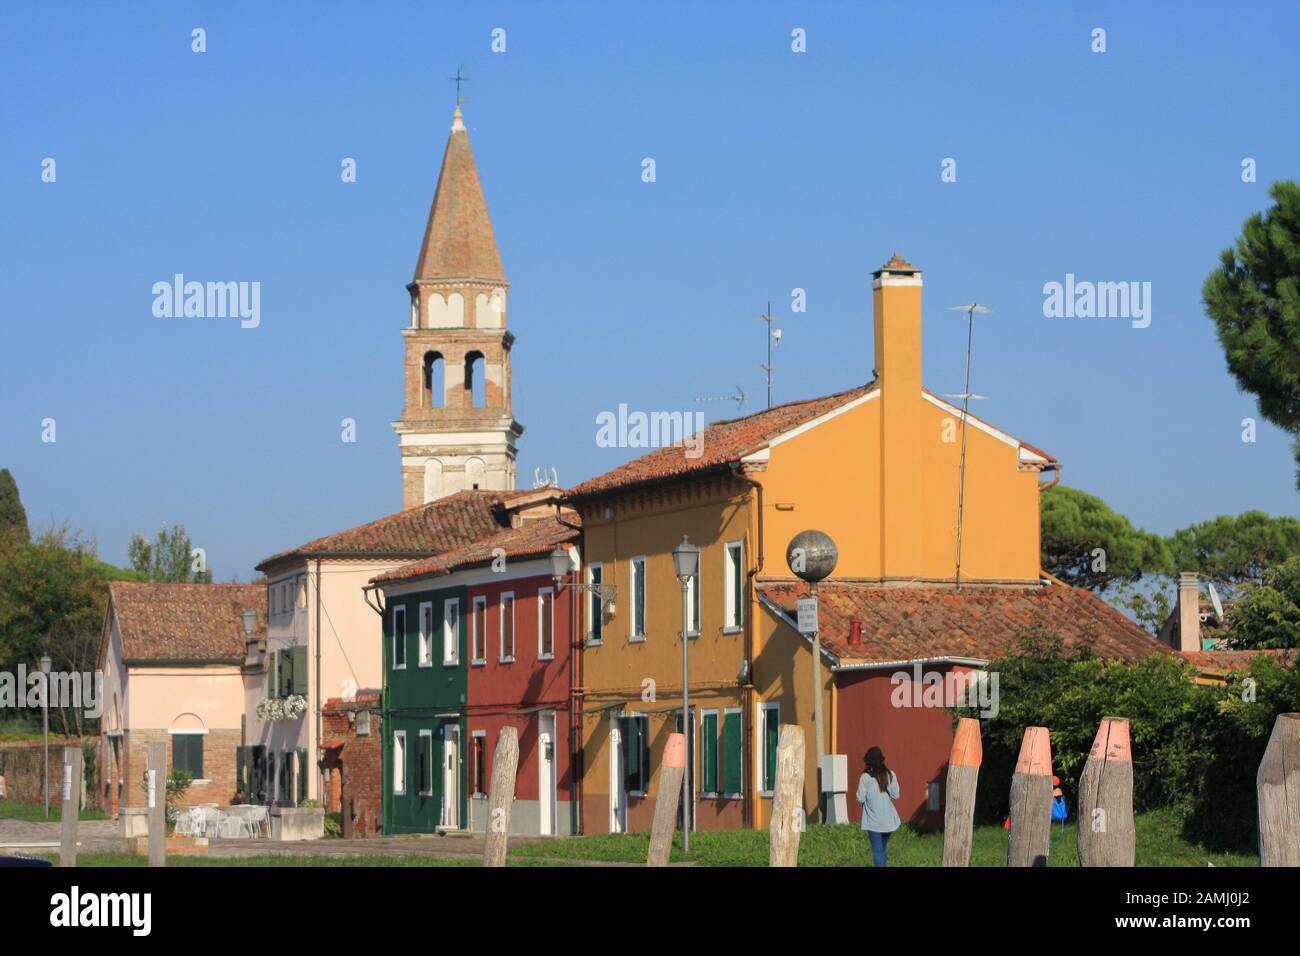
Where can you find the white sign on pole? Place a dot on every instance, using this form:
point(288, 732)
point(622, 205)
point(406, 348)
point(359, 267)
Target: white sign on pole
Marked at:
point(807, 615)
point(67, 782)
point(153, 776)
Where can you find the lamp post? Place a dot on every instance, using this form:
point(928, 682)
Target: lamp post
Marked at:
point(45, 709)
point(686, 563)
point(812, 556)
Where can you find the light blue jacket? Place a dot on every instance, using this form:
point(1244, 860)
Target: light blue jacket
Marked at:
point(878, 811)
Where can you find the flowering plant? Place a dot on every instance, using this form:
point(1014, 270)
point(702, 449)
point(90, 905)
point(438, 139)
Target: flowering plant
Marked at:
point(282, 708)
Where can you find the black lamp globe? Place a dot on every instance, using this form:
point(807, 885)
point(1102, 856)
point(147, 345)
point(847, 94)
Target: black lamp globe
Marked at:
point(812, 555)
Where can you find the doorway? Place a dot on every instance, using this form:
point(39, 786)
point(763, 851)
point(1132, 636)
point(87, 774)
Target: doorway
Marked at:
point(546, 773)
point(451, 777)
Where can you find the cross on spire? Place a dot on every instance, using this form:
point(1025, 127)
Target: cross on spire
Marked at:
point(458, 80)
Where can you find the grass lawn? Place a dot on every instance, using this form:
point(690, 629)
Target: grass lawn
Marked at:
point(12, 810)
point(1158, 844)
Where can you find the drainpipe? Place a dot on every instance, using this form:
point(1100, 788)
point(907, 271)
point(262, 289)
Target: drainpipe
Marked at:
point(747, 689)
point(320, 795)
point(576, 647)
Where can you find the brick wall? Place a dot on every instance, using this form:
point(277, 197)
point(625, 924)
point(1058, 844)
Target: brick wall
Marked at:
point(218, 767)
point(21, 765)
point(354, 764)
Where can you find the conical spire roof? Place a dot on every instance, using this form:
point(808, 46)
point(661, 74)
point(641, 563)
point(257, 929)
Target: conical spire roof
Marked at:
point(458, 241)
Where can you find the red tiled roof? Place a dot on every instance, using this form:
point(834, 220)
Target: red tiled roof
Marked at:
point(723, 443)
point(364, 700)
point(458, 240)
point(1229, 660)
point(532, 539)
point(427, 529)
point(901, 623)
point(159, 621)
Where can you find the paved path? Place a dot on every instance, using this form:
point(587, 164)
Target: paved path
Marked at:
point(95, 836)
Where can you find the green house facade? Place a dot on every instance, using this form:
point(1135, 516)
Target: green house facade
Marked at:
point(424, 698)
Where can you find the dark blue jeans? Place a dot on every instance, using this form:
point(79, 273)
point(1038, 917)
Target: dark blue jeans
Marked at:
point(879, 844)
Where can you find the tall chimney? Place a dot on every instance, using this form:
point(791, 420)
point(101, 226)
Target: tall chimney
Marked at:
point(1189, 611)
point(896, 299)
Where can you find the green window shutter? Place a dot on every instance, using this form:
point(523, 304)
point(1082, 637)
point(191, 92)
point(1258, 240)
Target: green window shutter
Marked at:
point(241, 766)
point(302, 774)
point(695, 602)
point(644, 738)
point(196, 755)
point(709, 753)
point(271, 780)
point(281, 672)
point(731, 754)
point(638, 595)
point(737, 586)
point(298, 670)
point(770, 740)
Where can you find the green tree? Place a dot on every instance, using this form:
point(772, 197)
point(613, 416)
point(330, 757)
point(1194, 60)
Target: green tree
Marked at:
point(169, 557)
point(1268, 614)
point(1087, 544)
point(1238, 550)
point(13, 517)
point(1254, 299)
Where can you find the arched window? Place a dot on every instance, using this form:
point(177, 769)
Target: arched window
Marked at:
point(475, 380)
point(434, 370)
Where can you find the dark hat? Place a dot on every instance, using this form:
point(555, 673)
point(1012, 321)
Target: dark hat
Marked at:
point(875, 756)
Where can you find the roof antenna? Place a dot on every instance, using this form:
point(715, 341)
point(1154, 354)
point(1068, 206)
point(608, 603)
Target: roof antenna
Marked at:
point(966, 396)
point(740, 398)
point(545, 478)
point(773, 339)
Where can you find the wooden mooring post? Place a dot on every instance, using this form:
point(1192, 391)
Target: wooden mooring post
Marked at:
point(1031, 800)
point(1277, 787)
point(959, 792)
point(787, 821)
point(501, 798)
point(669, 798)
point(1106, 833)
point(72, 760)
point(156, 799)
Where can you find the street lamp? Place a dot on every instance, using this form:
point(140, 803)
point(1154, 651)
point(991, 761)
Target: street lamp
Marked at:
point(686, 563)
point(45, 708)
point(812, 556)
point(249, 620)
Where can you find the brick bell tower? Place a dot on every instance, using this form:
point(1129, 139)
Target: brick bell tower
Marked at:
point(457, 430)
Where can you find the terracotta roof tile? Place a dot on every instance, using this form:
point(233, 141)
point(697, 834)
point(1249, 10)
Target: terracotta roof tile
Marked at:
point(424, 530)
point(159, 621)
point(1228, 660)
point(723, 443)
point(532, 539)
point(901, 623)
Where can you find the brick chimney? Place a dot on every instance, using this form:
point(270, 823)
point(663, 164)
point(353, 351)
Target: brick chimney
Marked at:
point(896, 300)
point(855, 630)
point(1189, 611)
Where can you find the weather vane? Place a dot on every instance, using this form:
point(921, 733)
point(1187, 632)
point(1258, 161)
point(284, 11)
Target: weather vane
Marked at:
point(458, 80)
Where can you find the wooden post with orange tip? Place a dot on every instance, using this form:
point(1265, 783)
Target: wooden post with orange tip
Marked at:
point(1277, 790)
point(959, 793)
point(1031, 800)
point(1106, 833)
point(670, 794)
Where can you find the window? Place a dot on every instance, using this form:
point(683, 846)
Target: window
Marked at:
point(769, 729)
point(426, 634)
point(425, 760)
point(399, 638)
point(545, 624)
point(734, 581)
point(475, 381)
point(434, 393)
point(637, 617)
point(302, 592)
point(478, 764)
point(693, 604)
point(507, 627)
point(733, 753)
point(709, 753)
point(399, 762)
point(479, 623)
point(595, 611)
point(290, 671)
point(187, 753)
point(450, 632)
point(635, 741)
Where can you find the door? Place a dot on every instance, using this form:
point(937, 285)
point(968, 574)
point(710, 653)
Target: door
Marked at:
point(451, 777)
point(546, 773)
point(617, 799)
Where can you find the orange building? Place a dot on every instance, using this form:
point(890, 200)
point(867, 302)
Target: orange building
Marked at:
point(881, 468)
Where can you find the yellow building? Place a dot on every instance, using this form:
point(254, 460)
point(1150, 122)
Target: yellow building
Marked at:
point(878, 468)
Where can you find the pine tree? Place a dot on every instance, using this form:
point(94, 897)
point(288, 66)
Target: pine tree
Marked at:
point(1254, 300)
point(13, 517)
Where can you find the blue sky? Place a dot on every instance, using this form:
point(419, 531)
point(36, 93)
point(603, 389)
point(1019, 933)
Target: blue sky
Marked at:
point(775, 170)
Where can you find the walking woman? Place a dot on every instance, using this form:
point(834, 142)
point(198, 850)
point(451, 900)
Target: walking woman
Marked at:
point(877, 791)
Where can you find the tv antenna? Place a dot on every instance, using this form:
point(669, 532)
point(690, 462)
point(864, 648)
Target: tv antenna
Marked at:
point(773, 339)
point(970, 309)
point(545, 478)
point(740, 398)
